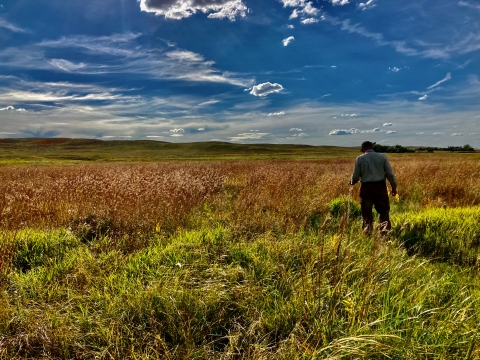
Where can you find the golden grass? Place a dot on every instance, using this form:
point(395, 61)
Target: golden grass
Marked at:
point(251, 196)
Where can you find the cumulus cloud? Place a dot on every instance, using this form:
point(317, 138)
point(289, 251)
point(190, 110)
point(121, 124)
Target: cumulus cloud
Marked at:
point(180, 9)
point(296, 129)
point(388, 124)
point(424, 97)
point(265, 89)
point(300, 135)
point(457, 134)
point(11, 108)
point(277, 113)
point(340, 2)
point(446, 78)
point(288, 40)
point(394, 69)
point(309, 21)
point(201, 129)
point(180, 130)
point(304, 10)
point(290, 26)
point(391, 132)
point(343, 132)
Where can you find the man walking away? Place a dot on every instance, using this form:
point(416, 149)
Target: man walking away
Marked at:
point(372, 169)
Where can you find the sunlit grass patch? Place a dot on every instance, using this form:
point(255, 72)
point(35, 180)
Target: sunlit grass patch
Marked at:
point(447, 234)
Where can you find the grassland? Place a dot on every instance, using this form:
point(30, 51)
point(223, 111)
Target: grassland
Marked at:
point(236, 260)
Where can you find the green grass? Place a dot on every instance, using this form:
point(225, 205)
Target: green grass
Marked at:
point(204, 293)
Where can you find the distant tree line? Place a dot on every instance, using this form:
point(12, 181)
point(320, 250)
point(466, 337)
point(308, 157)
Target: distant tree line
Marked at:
point(392, 149)
point(402, 149)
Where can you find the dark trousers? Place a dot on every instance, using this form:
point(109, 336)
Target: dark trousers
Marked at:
point(375, 194)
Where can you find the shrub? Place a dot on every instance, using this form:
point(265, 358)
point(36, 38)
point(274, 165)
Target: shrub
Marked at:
point(339, 206)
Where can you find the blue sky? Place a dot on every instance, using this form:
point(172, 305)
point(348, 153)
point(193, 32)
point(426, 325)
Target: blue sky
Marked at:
point(325, 72)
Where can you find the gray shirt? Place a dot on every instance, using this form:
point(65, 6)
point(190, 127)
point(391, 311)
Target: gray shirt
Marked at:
point(372, 167)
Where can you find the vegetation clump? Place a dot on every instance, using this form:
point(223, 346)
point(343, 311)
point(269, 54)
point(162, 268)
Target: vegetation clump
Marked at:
point(342, 205)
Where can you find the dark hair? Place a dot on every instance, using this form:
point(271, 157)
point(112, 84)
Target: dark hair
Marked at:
point(367, 144)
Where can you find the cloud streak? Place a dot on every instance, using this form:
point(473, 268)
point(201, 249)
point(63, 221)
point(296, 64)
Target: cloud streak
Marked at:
point(119, 54)
point(446, 78)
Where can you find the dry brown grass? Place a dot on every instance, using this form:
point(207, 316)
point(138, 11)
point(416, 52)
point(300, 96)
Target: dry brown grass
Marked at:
point(251, 196)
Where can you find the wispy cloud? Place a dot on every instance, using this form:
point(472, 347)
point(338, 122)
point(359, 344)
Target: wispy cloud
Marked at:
point(367, 5)
point(422, 98)
point(9, 26)
point(446, 78)
point(120, 54)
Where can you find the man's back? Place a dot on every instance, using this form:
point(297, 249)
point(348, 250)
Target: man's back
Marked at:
point(373, 167)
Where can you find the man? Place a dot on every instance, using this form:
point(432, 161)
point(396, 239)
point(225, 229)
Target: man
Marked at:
point(372, 169)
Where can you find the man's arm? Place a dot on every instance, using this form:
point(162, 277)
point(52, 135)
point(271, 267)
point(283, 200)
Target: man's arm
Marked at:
point(356, 173)
point(390, 176)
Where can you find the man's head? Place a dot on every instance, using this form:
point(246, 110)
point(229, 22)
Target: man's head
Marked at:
point(366, 145)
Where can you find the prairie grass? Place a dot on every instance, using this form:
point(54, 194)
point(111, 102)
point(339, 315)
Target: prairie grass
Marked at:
point(236, 260)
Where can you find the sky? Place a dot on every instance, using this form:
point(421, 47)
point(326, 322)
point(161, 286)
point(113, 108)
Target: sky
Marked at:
point(320, 72)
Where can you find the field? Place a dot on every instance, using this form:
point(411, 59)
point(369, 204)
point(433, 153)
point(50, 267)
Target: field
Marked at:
point(234, 259)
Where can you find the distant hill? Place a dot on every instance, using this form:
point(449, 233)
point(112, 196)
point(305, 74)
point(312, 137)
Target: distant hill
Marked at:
point(65, 149)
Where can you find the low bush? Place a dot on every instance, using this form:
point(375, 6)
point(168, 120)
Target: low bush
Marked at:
point(339, 207)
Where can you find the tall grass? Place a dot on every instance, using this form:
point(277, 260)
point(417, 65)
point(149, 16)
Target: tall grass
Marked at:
point(236, 260)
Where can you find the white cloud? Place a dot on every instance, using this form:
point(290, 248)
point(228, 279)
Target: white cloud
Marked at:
point(66, 65)
point(376, 130)
point(467, 4)
point(6, 25)
point(391, 132)
point(119, 54)
point(300, 135)
point(340, 2)
point(457, 134)
point(249, 136)
point(353, 115)
point(296, 129)
point(367, 5)
point(176, 135)
point(290, 26)
point(209, 102)
point(309, 21)
point(180, 130)
point(395, 69)
point(180, 9)
point(288, 40)
point(201, 129)
point(424, 97)
point(388, 124)
point(277, 113)
point(11, 108)
point(343, 132)
point(446, 78)
point(265, 89)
